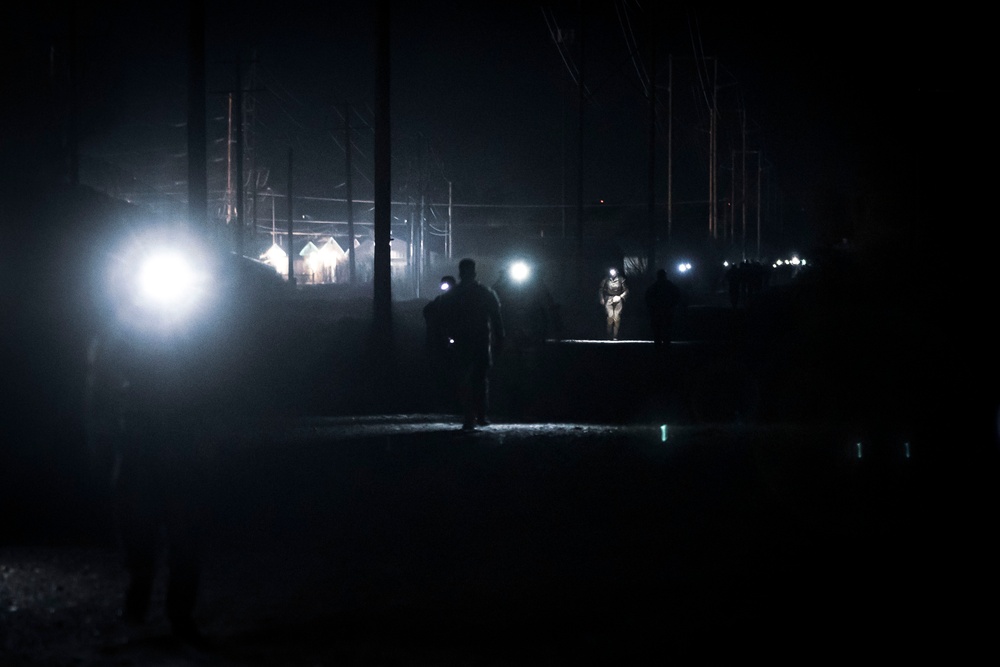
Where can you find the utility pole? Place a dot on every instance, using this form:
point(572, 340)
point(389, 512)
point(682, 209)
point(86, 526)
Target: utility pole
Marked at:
point(418, 254)
point(651, 248)
point(743, 178)
point(581, 99)
point(73, 139)
point(230, 205)
point(670, 147)
point(238, 101)
point(447, 239)
point(350, 204)
point(564, 37)
point(249, 150)
point(731, 227)
point(383, 175)
point(712, 144)
point(254, 197)
point(383, 351)
point(758, 203)
point(234, 204)
point(423, 226)
point(411, 256)
point(291, 225)
point(197, 152)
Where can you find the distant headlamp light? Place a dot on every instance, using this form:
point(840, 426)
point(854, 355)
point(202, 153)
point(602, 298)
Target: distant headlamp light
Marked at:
point(445, 286)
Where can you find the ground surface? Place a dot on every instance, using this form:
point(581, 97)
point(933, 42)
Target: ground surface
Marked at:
point(725, 506)
point(397, 540)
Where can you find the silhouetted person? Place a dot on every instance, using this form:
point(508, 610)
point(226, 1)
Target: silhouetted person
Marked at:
point(611, 294)
point(756, 278)
point(436, 337)
point(662, 299)
point(163, 392)
point(473, 320)
point(440, 348)
point(735, 278)
point(528, 309)
point(147, 434)
point(530, 316)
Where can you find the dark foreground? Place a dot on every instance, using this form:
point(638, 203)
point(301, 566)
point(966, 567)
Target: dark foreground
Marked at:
point(812, 497)
point(397, 540)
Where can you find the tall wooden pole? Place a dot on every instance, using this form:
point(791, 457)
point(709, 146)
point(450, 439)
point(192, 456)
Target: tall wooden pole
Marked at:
point(730, 228)
point(712, 158)
point(197, 168)
point(382, 350)
point(350, 204)
point(383, 201)
point(73, 139)
point(743, 179)
point(758, 203)
point(448, 238)
point(291, 225)
point(651, 212)
point(581, 100)
point(670, 148)
point(238, 209)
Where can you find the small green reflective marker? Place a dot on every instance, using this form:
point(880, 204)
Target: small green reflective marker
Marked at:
point(906, 449)
point(859, 450)
point(663, 432)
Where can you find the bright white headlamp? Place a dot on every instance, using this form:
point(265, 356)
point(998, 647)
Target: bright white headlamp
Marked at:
point(161, 282)
point(519, 271)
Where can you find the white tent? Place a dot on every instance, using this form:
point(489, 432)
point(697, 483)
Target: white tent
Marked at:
point(331, 253)
point(276, 257)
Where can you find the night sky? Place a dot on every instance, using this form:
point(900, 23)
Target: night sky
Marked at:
point(847, 111)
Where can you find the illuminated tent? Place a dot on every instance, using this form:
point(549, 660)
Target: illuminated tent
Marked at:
point(332, 253)
point(276, 257)
point(312, 261)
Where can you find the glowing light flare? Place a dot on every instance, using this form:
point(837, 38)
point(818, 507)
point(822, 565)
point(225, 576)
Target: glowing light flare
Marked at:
point(519, 271)
point(160, 282)
point(168, 279)
point(276, 257)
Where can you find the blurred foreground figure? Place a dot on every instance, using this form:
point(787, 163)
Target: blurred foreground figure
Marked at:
point(611, 294)
point(148, 435)
point(169, 379)
point(439, 346)
point(471, 312)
